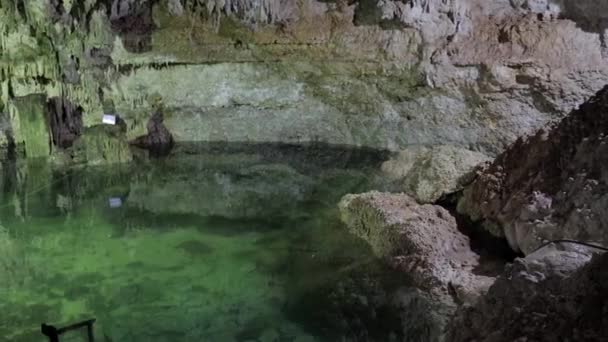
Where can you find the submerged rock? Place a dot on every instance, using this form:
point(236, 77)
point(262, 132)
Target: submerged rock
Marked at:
point(559, 293)
point(423, 241)
point(552, 185)
point(429, 173)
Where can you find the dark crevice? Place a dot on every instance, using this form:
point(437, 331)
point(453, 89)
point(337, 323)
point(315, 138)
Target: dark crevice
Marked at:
point(21, 9)
point(66, 121)
point(503, 36)
point(11, 146)
point(540, 16)
point(494, 252)
point(57, 7)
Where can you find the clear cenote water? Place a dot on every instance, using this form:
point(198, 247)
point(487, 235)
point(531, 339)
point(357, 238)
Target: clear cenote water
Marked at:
point(215, 243)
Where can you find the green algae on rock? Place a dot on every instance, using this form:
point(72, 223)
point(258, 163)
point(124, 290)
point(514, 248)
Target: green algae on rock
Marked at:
point(30, 125)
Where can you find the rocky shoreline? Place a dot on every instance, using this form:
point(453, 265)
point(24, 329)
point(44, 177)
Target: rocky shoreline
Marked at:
point(556, 291)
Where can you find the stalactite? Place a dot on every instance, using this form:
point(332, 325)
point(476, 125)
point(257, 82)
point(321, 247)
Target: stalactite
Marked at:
point(252, 11)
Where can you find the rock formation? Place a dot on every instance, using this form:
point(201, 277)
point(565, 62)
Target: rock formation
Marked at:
point(551, 185)
point(422, 241)
point(430, 173)
point(384, 74)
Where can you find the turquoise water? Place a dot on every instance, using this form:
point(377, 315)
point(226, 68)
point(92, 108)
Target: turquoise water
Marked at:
point(214, 243)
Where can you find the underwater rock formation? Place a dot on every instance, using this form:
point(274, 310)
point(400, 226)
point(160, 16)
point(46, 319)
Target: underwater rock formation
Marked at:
point(430, 173)
point(424, 243)
point(383, 74)
point(551, 185)
point(559, 293)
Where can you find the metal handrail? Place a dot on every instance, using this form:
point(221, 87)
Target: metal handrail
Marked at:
point(53, 332)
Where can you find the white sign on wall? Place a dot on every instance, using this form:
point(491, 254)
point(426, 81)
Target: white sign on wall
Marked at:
point(115, 202)
point(109, 119)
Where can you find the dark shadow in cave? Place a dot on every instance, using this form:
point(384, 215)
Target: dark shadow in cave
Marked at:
point(494, 252)
point(65, 120)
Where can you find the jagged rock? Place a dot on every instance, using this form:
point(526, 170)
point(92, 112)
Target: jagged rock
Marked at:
point(429, 173)
point(552, 185)
point(423, 241)
point(558, 293)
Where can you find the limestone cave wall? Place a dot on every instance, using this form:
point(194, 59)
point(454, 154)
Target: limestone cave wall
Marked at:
point(383, 74)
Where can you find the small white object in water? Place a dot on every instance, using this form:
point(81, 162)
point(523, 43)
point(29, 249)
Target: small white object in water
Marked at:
point(115, 202)
point(109, 119)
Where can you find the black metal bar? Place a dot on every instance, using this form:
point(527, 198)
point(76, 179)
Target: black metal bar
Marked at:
point(87, 323)
point(90, 332)
point(53, 333)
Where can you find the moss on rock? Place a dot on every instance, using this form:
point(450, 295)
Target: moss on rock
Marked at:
point(29, 124)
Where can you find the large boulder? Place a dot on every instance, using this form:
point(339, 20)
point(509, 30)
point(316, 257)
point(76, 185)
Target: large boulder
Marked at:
point(422, 241)
point(552, 185)
point(559, 293)
point(430, 173)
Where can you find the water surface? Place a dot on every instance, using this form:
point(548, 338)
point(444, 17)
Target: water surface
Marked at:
point(212, 243)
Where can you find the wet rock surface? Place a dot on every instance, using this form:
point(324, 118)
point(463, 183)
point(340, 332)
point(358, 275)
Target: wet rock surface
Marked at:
point(551, 185)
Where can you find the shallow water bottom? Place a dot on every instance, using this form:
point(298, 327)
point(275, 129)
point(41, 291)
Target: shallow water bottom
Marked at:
point(228, 245)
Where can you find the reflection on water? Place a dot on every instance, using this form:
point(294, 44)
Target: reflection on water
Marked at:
point(218, 244)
